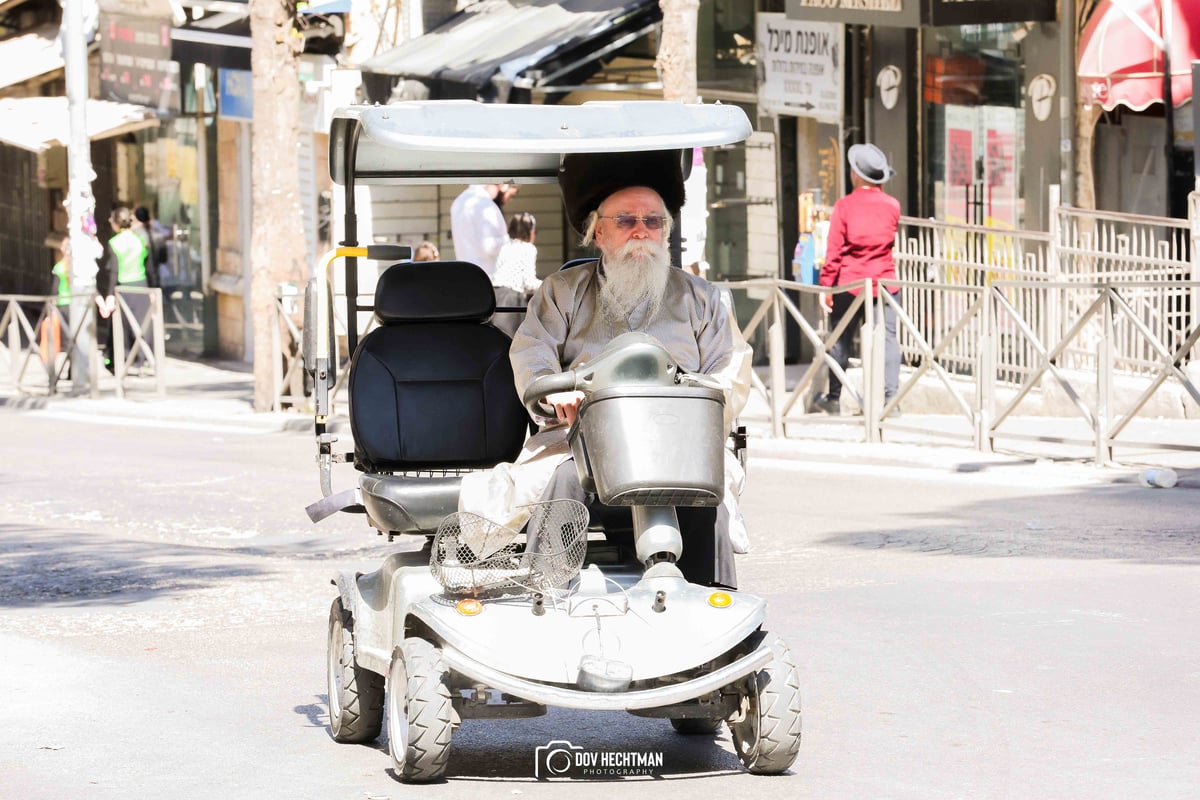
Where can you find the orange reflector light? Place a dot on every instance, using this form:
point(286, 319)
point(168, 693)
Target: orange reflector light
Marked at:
point(468, 606)
point(719, 600)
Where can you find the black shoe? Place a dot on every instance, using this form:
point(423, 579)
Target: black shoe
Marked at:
point(830, 405)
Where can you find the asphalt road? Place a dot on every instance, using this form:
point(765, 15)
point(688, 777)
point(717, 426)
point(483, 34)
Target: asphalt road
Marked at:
point(996, 632)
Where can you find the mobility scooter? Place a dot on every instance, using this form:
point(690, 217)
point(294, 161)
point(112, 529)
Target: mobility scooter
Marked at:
point(486, 621)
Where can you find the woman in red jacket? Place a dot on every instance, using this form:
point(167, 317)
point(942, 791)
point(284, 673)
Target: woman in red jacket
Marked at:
point(862, 232)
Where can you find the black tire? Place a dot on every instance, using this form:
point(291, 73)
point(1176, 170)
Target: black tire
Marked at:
point(689, 726)
point(355, 693)
point(420, 714)
point(767, 739)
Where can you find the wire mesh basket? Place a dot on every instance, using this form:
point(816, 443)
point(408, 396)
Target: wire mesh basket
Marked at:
point(472, 554)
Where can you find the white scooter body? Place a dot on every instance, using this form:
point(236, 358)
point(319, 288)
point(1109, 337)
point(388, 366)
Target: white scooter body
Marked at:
point(598, 619)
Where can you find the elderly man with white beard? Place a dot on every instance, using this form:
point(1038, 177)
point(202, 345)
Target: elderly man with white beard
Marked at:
point(576, 312)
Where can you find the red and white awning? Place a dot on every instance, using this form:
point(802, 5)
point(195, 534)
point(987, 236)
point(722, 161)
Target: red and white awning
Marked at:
point(1121, 52)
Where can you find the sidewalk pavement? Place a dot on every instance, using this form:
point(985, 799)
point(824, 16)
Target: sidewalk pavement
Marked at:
point(218, 396)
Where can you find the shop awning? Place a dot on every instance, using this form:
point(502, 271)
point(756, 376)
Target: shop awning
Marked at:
point(485, 50)
point(39, 123)
point(1121, 58)
point(220, 40)
point(29, 55)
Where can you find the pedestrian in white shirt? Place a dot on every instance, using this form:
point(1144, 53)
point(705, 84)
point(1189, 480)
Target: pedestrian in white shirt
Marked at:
point(477, 223)
point(516, 271)
point(516, 266)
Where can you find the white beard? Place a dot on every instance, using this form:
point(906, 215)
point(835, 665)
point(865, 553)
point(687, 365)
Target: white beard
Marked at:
point(633, 274)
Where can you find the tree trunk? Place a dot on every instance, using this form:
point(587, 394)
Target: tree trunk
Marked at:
point(277, 250)
point(676, 60)
point(1086, 116)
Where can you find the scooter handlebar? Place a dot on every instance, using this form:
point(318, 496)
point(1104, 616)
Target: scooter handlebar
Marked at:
point(546, 385)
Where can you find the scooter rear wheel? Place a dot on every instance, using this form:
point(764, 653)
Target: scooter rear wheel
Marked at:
point(767, 738)
point(355, 693)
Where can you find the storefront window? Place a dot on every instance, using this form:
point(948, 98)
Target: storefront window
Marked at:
point(725, 43)
point(975, 124)
point(165, 181)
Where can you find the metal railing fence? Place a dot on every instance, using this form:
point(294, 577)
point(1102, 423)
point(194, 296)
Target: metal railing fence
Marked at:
point(995, 321)
point(1156, 253)
point(974, 343)
point(38, 344)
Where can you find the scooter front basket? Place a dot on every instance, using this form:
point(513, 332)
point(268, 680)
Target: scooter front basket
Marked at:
point(472, 554)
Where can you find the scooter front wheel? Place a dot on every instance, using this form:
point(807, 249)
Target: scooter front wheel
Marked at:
point(419, 712)
point(767, 737)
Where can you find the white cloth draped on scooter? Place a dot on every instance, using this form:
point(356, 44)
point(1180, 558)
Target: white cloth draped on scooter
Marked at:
point(563, 328)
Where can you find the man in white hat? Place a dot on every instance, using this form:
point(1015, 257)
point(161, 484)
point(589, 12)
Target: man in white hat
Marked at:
point(862, 232)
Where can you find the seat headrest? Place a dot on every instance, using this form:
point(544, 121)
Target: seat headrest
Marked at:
point(434, 291)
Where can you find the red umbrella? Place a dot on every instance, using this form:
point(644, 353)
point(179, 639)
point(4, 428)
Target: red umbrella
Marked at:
point(1121, 62)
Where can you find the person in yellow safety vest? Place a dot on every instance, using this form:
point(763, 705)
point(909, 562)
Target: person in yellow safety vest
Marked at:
point(51, 328)
point(61, 272)
point(125, 265)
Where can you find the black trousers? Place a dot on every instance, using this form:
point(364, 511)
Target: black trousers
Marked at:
point(707, 557)
point(844, 345)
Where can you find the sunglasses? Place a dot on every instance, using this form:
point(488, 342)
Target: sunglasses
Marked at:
point(628, 222)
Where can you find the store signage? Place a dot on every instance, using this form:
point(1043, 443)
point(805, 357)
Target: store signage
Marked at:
point(801, 67)
point(237, 94)
point(138, 8)
point(135, 62)
point(897, 13)
point(980, 12)
point(914, 13)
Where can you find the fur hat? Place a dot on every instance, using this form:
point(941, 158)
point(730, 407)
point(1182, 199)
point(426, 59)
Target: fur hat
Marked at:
point(587, 179)
point(869, 163)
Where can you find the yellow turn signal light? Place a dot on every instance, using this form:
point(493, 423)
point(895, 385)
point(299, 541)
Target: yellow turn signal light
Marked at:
point(468, 606)
point(720, 600)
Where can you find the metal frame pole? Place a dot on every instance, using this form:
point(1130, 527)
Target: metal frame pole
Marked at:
point(1104, 361)
point(775, 357)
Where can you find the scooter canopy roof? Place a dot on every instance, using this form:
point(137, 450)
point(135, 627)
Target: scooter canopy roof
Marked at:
point(463, 141)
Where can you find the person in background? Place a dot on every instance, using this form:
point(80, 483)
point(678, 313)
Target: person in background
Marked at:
point(154, 235)
point(477, 223)
point(862, 233)
point(124, 265)
point(516, 271)
point(60, 278)
point(516, 266)
point(50, 335)
point(426, 251)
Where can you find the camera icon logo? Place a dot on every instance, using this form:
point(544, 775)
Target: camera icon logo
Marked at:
point(554, 759)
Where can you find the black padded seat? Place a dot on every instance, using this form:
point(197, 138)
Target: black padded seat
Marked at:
point(431, 389)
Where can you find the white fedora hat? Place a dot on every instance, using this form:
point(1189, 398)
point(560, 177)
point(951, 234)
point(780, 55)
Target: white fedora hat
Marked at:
point(869, 163)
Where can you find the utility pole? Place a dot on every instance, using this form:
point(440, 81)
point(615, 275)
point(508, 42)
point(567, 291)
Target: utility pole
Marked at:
point(81, 205)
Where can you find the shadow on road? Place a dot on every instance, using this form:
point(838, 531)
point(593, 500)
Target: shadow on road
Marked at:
point(42, 566)
point(487, 750)
point(1123, 521)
